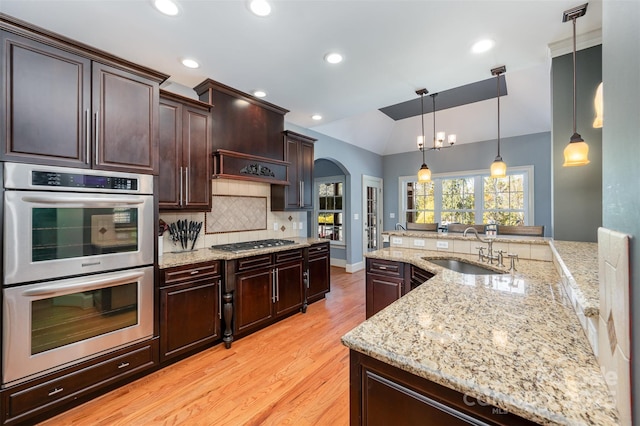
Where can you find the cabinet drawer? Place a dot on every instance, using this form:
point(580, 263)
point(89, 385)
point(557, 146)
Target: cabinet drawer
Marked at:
point(287, 256)
point(253, 262)
point(318, 250)
point(189, 272)
point(419, 276)
point(387, 268)
point(69, 386)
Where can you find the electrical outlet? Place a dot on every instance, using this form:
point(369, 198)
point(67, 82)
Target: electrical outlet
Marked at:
point(356, 216)
point(275, 226)
point(396, 240)
point(293, 224)
point(300, 225)
point(392, 215)
point(418, 243)
point(442, 244)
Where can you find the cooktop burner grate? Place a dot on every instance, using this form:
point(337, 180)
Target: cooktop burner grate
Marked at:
point(252, 245)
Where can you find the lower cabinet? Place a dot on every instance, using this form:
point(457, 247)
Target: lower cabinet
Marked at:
point(267, 287)
point(381, 394)
point(190, 311)
point(387, 281)
point(318, 273)
point(40, 398)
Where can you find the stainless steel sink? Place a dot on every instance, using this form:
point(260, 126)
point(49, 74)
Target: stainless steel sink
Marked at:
point(463, 267)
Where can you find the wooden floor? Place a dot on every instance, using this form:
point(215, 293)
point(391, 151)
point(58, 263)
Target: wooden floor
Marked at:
point(295, 372)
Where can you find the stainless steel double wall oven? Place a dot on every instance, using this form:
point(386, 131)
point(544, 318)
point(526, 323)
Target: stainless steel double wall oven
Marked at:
point(77, 266)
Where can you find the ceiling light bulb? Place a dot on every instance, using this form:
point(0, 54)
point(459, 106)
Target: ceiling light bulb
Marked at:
point(260, 7)
point(483, 46)
point(259, 93)
point(190, 63)
point(168, 7)
point(333, 58)
point(316, 117)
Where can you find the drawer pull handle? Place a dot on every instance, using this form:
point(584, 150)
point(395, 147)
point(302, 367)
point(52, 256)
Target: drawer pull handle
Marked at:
point(195, 272)
point(55, 391)
point(382, 267)
point(123, 365)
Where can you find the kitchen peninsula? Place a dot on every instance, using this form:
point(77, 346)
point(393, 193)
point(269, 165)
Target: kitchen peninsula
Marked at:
point(504, 348)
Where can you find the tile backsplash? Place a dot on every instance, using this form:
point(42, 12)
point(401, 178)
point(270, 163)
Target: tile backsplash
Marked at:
point(278, 224)
point(614, 332)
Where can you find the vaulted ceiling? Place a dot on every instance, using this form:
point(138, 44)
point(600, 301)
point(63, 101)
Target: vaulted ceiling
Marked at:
point(391, 48)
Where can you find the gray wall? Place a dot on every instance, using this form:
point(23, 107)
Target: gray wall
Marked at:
point(577, 191)
point(356, 162)
point(621, 148)
point(524, 150)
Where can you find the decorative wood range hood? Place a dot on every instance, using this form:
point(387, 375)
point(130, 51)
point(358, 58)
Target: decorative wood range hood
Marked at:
point(247, 135)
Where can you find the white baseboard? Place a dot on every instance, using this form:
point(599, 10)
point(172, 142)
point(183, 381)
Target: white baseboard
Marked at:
point(341, 263)
point(354, 267)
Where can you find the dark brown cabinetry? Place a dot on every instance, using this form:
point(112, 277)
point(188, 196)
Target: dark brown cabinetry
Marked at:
point(298, 195)
point(267, 287)
point(65, 104)
point(190, 308)
point(381, 394)
point(318, 276)
point(184, 180)
point(58, 391)
point(387, 281)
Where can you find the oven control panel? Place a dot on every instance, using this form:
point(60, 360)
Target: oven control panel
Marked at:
point(75, 180)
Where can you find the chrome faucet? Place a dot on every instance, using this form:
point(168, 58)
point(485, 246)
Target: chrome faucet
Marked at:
point(489, 257)
point(398, 225)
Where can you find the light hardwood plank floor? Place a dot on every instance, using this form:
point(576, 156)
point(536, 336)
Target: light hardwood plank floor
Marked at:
point(295, 372)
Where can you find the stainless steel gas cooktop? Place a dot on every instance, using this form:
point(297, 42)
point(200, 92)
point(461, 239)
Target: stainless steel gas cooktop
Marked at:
point(252, 245)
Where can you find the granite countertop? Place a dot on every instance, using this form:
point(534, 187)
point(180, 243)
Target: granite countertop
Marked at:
point(580, 261)
point(511, 340)
point(168, 260)
point(459, 236)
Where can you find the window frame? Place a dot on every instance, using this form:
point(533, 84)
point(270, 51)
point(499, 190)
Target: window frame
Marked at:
point(316, 207)
point(478, 175)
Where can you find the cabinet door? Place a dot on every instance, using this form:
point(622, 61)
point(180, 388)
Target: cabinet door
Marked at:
point(305, 174)
point(190, 316)
point(45, 105)
point(196, 154)
point(253, 299)
point(319, 266)
point(170, 137)
point(293, 191)
point(381, 292)
point(289, 288)
point(125, 114)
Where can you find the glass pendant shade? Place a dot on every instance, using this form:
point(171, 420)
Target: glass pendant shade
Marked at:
point(424, 174)
point(576, 153)
point(597, 103)
point(420, 142)
point(498, 168)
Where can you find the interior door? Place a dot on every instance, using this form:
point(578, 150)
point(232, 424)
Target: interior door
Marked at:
point(372, 212)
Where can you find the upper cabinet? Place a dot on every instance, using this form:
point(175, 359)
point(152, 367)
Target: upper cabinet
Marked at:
point(185, 143)
point(66, 104)
point(298, 194)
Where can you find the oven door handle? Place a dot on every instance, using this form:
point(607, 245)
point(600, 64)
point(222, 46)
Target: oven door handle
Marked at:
point(92, 201)
point(84, 285)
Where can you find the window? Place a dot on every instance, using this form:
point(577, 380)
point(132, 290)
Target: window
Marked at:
point(329, 213)
point(469, 198)
point(420, 202)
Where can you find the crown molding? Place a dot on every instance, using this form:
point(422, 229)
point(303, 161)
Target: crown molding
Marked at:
point(583, 41)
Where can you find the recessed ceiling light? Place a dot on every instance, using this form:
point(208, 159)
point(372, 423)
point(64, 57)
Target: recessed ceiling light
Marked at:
point(259, 93)
point(260, 7)
point(316, 117)
point(333, 58)
point(483, 46)
point(168, 7)
point(190, 63)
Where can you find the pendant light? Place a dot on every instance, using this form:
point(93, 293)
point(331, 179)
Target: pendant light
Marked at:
point(577, 152)
point(424, 174)
point(498, 167)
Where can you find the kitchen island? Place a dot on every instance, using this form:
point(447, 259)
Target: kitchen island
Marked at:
point(509, 340)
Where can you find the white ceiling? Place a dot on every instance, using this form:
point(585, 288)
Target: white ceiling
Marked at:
point(391, 48)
